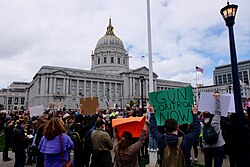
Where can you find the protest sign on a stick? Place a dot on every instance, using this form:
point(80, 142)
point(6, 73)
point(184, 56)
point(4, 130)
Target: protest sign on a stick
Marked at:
point(88, 105)
point(134, 125)
point(173, 103)
point(207, 103)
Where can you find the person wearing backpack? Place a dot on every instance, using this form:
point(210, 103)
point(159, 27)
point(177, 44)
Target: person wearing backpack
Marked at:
point(213, 141)
point(77, 133)
point(174, 150)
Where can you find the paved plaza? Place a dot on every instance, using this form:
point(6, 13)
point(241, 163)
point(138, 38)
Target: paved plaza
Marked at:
point(12, 155)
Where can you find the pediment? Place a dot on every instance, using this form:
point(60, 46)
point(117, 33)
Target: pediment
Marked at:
point(60, 72)
point(142, 71)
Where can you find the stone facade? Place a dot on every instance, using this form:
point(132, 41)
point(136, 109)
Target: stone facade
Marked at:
point(109, 79)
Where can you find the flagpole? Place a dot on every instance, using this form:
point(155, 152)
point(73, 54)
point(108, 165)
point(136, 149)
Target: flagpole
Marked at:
point(152, 153)
point(196, 85)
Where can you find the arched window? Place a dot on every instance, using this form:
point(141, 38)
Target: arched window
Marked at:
point(112, 41)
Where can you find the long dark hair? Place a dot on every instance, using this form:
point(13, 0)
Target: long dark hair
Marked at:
point(125, 142)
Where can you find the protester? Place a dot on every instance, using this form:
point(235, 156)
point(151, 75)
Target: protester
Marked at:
point(50, 144)
point(19, 143)
point(126, 152)
point(214, 152)
point(7, 139)
point(171, 137)
point(42, 121)
point(102, 144)
point(81, 129)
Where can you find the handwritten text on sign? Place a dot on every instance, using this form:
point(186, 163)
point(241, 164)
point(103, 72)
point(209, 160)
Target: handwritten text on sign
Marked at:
point(173, 103)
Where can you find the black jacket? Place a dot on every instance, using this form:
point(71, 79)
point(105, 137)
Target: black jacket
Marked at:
point(19, 141)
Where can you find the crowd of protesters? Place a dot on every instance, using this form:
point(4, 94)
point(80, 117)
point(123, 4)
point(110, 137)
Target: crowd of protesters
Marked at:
point(41, 140)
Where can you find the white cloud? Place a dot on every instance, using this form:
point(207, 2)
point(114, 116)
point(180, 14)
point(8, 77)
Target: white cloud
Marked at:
point(64, 33)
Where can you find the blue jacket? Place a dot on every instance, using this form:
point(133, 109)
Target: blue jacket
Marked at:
point(172, 139)
point(52, 150)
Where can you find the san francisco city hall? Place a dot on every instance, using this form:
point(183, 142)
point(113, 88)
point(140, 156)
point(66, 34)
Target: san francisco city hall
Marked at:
point(109, 79)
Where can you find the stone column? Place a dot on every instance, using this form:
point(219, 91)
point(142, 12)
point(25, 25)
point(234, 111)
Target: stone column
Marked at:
point(146, 88)
point(130, 87)
point(54, 86)
point(97, 87)
point(104, 95)
point(84, 88)
point(77, 87)
point(91, 88)
point(133, 81)
point(64, 84)
point(46, 85)
point(115, 92)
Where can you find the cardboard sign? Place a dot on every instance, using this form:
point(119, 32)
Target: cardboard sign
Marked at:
point(88, 105)
point(207, 103)
point(173, 103)
point(36, 110)
point(134, 125)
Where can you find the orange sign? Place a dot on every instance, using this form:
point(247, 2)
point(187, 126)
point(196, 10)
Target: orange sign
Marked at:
point(134, 125)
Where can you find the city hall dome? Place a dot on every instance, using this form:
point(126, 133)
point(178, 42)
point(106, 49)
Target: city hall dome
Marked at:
point(109, 55)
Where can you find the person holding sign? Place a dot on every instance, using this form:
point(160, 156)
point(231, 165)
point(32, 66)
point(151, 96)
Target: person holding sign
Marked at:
point(171, 138)
point(214, 150)
point(126, 152)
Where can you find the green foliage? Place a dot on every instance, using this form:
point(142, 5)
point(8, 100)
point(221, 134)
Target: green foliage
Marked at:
point(131, 103)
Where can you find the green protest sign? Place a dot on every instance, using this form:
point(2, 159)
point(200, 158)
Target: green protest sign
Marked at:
point(173, 103)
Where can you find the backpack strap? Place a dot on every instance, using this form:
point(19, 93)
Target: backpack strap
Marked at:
point(62, 149)
point(179, 144)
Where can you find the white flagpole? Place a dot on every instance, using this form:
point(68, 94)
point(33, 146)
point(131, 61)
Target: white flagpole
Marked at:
point(152, 153)
point(150, 61)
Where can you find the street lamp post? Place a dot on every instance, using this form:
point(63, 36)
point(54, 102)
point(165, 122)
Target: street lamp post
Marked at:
point(228, 13)
point(141, 79)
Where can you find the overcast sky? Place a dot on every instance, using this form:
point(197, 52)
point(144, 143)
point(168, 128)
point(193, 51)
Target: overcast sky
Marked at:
point(63, 33)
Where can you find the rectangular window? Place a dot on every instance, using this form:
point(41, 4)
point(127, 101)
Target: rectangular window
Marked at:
point(245, 77)
point(48, 85)
point(224, 79)
point(112, 59)
point(73, 87)
point(219, 80)
point(81, 86)
point(16, 100)
point(119, 60)
point(124, 61)
point(39, 86)
point(10, 100)
point(59, 84)
point(229, 78)
point(99, 60)
point(216, 80)
point(105, 60)
point(22, 100)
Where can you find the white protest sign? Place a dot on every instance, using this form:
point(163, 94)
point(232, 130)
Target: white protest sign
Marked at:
point(36, 110)
point(207, 103)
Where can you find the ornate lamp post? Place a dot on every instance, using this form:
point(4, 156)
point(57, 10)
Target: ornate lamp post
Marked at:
point(228, 13)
